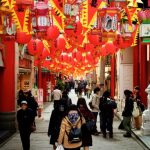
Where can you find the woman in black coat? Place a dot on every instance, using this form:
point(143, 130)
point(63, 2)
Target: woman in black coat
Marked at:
point(25, 118)
point(88, 115)
point(55, 122)
point(107, 106)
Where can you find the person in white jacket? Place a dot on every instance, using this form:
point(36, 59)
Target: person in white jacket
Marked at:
point(95, 105)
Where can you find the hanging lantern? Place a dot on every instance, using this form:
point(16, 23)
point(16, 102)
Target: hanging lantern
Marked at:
point(22, 37)
point(35, 47)
point(61, 43)
point(118, 3)
point(108, 21)
point(40, 19)
point(110, 47)
point(89, 47)
point(22, 4)
point(44, 54)
point(94, 39)
point(52, 32)
point(78, 29)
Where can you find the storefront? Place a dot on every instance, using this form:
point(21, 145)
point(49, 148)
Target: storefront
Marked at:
point(26, 73)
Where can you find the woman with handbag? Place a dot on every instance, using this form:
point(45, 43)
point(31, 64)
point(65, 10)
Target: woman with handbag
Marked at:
point(25, 118)
point(72, 121)
point(88, 127)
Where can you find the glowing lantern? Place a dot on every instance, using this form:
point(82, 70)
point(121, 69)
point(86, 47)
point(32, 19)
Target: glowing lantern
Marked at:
point(61, 43)
point(35, 47)
point(44, 54)
point(94, 39)
point(24, 2)
point(110, 47)
point(22, 37)
point(118, 3)
point(108, 21)
point(40, 19)
point(52, 32)
point(78, 29)
point(89, 47)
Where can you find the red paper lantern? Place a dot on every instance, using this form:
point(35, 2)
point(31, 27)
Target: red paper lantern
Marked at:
point(94, 39)
point(89, 47)
point(110, 47)
point(35, 47)
point(61, 43)
point(44, 54)
point(52, 33)
point(78, 29)
point(22, 37)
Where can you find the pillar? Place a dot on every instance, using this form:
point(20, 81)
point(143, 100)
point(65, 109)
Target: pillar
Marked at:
point(7, 88)
point(39, 76)
point(143, 73)
point(136, 66)
point(112, 80)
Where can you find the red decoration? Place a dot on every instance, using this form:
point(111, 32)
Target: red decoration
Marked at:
point(110, 47)
point(94, 39)
point(78, 29)
point(22, 37)
point(35, 47)
point(52, 33)
point(89, 47)
point(44, 54)
point(24, 2)
point(61, 42)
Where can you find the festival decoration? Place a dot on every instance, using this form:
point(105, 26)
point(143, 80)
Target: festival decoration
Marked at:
point(52, 32)
point(35, 47)
point(22, 37)
point(40, 19)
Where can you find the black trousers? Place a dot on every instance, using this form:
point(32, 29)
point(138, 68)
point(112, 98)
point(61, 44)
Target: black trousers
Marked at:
point(25, 139)
point(106, 123)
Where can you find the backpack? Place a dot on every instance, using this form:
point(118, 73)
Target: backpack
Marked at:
point(75, 135)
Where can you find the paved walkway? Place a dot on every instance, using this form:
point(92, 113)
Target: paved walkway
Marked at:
point(40, 140)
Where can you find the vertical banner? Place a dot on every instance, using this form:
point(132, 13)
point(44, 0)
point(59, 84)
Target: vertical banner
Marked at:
point(40, 101)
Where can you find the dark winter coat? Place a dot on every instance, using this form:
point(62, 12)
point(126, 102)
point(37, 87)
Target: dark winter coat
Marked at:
point(107, 107)
point(54, 125)
point(32, 103)
point(86, 135)
point(25, 119)
point(128, 109)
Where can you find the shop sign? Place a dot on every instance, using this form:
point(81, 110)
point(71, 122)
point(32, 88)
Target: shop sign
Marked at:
point(26, 84)
point(145, 30)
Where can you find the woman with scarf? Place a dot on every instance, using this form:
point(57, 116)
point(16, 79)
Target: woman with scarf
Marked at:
point(73, 119)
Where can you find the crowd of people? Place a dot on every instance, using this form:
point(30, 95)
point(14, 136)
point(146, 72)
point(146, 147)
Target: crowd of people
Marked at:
point(72, 126)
